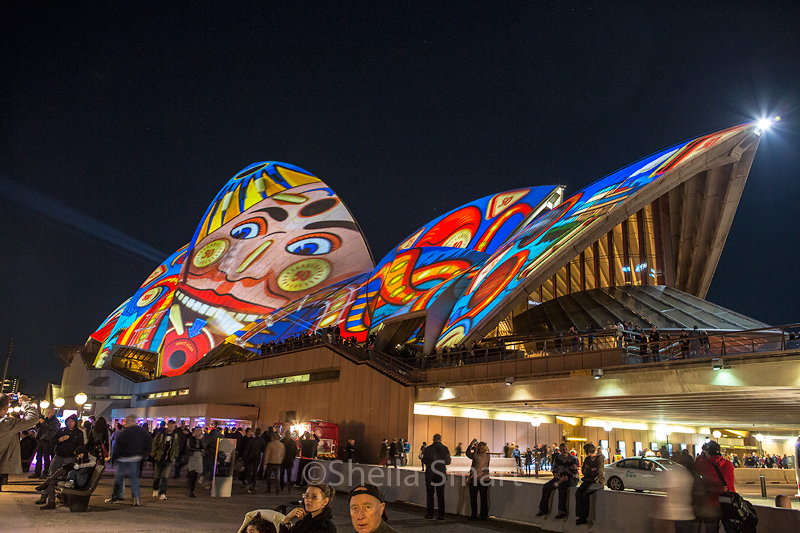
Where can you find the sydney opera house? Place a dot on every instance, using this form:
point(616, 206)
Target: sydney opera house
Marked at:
point(276, 311)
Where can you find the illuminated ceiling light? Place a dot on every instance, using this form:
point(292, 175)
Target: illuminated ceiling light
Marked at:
point(59, 402)
point(717, 434)
point(597, 373)
point(509, 380)
point(719, 364)
point(442, 385)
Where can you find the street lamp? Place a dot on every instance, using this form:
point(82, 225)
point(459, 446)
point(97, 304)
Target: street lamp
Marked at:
point(44, 404)
point(608, 427)
point(760, 439)
point(80, 399)
point(717, 434)
point(535, 423)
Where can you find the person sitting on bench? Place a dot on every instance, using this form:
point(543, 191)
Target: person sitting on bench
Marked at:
point(78, 475)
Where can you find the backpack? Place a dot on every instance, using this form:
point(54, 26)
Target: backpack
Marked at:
point(738, 514)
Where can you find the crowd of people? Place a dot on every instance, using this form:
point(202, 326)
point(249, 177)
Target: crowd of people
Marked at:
point(67, 456)
point(332, 335)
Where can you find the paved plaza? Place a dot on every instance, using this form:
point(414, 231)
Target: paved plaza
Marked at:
point(203, 514)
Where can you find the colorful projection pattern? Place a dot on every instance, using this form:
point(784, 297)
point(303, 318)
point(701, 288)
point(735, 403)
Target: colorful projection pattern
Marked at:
point(504, 275)
point(277, 253)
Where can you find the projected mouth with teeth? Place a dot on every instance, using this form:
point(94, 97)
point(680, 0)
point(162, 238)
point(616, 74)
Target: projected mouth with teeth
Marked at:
point(281, 248)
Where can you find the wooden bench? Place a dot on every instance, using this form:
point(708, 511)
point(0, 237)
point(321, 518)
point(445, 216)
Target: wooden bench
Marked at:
point(78, 499)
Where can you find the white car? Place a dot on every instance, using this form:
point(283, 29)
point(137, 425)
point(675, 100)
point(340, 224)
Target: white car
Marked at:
point(640, 473)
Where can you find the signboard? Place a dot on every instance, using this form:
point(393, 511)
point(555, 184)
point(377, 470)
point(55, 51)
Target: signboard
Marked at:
point(222, 481)
point(580, 373)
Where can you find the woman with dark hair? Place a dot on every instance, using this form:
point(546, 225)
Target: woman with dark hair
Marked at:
point(479, 480)
point(315, 515)
point(99, 441)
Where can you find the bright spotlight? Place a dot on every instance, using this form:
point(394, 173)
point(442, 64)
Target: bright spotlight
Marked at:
point(764, 124)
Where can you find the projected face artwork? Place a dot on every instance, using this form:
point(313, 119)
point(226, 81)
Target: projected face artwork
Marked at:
point(277, 253)
point(282, 247)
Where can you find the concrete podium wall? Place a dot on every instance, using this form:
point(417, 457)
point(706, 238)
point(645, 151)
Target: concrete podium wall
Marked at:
point(611, 512)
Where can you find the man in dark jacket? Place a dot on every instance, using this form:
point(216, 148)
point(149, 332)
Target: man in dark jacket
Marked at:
point(393, 453)
point(308, 450)
point(164, 452)
point(565, 475)
point(27, 449)
point(435, 458)
point(66, 440)
point(183, 436)
point(210, 441)
point(130, 447)
point(45, 429)
point(252, 449)
point(288, 459)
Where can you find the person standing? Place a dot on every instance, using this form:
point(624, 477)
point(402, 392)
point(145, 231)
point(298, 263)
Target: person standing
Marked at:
point(565, 475)
point(45, 429)
point(350, 451)
point(393, 453)
point(10, 427)
point(422, 451)
point(273, 457)
point(289, 455)
point(383, 455)
point(435, 457)
point(712, 469)
point(479, 479)
point(164, 452)
point(308, 450)
point(459, 450)
point(183, 437)
point(195, 449)
point(99, 441)
point(210, 440)
point(593, 480)
point(131, 446)
point(252, 449)
point(27, 449)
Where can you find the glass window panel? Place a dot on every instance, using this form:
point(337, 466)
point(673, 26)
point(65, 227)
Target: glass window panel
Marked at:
point(575, 274)
point(588, 266)
point(633, 251)
point(547, 290)
point(604, 263)
point(561, 282)
point(622, 268)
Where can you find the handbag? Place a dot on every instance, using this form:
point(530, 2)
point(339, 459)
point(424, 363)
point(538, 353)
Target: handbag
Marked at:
point(735, 508)
point(472, 471)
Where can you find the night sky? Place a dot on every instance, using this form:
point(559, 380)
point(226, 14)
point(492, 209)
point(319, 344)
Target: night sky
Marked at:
point(123, 119)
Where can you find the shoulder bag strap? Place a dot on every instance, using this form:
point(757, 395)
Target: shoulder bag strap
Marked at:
point(724, 485)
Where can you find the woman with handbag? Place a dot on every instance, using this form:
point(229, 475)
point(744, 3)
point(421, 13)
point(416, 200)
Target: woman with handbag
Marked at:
point(478, 479)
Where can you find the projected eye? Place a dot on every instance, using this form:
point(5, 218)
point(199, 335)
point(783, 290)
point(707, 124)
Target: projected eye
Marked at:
point(314, 244)
point(249, 228)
